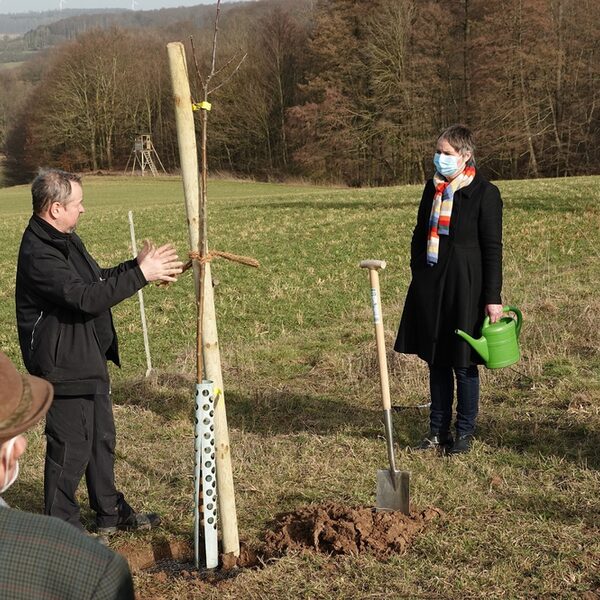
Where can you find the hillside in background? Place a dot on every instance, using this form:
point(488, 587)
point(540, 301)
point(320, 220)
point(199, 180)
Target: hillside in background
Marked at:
point(24, 33)
point(67, 29)
point(21, 23)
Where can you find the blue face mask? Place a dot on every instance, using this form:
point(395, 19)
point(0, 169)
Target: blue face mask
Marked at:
point(445, 164)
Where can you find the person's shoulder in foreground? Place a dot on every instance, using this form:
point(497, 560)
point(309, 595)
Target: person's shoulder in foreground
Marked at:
point(44, 558)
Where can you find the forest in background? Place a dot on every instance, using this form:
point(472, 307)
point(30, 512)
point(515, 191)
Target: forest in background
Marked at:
point(342, 91)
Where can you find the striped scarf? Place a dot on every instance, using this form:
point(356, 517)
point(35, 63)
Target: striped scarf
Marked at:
point(441, 209)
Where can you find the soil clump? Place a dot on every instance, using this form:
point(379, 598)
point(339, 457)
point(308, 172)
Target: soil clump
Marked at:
point(337, 529)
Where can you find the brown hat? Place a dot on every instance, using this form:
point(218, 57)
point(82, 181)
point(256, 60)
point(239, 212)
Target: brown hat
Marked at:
point(24, 400)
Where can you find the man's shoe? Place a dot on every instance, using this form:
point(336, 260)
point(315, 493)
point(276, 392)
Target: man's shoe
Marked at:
point(463, 444)
point(435, 441)
point(135, 521)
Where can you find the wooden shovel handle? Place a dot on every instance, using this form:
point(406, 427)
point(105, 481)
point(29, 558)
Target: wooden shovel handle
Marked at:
point(373, 266)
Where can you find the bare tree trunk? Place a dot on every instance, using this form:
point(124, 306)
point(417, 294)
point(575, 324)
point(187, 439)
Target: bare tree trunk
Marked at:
point(557, 105)
point(526, 123)
point(284, 158)
point(93, 152)
point(466, 108)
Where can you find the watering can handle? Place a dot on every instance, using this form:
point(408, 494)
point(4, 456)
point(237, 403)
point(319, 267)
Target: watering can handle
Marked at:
point(506, 309)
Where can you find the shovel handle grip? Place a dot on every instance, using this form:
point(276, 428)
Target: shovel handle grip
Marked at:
point(372, 264)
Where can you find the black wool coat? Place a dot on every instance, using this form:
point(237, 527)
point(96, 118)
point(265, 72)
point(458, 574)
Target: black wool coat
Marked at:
point(453, 293)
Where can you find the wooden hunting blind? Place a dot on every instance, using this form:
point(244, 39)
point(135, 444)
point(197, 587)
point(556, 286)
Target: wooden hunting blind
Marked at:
point(144, 156)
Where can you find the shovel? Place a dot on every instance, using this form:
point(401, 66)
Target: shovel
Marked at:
point(392, 485)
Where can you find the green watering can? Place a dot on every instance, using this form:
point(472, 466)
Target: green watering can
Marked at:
point(499, 342)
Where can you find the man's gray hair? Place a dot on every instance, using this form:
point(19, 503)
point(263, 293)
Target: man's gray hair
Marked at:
point(460, 137)
point(51, 185)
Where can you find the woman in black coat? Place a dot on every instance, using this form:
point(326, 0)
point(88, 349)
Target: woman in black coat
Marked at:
point(456, 264)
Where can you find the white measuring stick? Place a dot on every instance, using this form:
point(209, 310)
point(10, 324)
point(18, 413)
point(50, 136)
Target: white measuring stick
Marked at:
point(141, 299)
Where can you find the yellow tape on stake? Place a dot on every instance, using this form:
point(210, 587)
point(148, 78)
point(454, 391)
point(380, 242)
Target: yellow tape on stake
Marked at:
point(201, 106)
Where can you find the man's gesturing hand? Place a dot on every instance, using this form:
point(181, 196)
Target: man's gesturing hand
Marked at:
point(159, 264)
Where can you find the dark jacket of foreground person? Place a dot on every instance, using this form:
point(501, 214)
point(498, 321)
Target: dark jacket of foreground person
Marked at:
point(63, 301)
point(42, 558)
point(453, 293)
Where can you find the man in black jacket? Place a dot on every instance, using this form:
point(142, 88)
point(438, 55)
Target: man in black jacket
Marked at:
point(66, 334)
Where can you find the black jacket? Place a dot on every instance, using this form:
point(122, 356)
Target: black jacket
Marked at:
point(63, 301)
point(453, 293)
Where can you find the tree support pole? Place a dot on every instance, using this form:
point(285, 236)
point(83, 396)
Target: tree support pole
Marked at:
point(204, 294)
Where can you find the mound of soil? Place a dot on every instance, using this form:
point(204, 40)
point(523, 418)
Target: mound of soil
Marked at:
point(337, 529)
point(327, 528)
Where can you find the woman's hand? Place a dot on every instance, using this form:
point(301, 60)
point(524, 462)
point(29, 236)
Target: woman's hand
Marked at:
point(493, 311)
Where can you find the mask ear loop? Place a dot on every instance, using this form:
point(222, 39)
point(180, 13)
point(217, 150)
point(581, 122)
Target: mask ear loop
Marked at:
point(8, 478)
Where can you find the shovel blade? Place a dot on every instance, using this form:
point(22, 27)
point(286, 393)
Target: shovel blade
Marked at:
point(393, 494)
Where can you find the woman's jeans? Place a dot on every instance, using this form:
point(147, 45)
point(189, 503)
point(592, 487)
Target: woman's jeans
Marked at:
point(441, 385)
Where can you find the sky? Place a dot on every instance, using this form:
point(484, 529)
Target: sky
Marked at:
point(14, 6)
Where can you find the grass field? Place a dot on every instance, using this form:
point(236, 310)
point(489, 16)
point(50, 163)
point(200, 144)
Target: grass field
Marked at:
point(522, 511)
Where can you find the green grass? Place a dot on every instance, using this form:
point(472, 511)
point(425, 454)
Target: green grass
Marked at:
point(301, 384)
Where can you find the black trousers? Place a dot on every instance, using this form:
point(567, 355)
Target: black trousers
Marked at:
point(80, 438)
point(441, 386)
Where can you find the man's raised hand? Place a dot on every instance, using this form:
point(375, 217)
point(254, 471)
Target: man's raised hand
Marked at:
point(159, 264)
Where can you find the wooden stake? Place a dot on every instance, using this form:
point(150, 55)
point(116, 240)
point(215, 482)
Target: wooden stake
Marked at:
point(204, 294)
point(212, 367)
point(186, 139)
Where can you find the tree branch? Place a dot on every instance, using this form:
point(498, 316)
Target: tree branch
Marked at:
point(227, 63)
point(214, 50)
point(198, 74)
point(230, 75)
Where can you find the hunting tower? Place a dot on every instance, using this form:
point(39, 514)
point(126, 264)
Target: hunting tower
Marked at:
point(144, 156)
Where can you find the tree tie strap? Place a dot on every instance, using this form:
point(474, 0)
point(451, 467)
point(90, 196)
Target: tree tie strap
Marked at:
point(196, 256)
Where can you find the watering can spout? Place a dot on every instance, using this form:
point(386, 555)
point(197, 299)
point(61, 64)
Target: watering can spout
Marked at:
point(480, 346)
